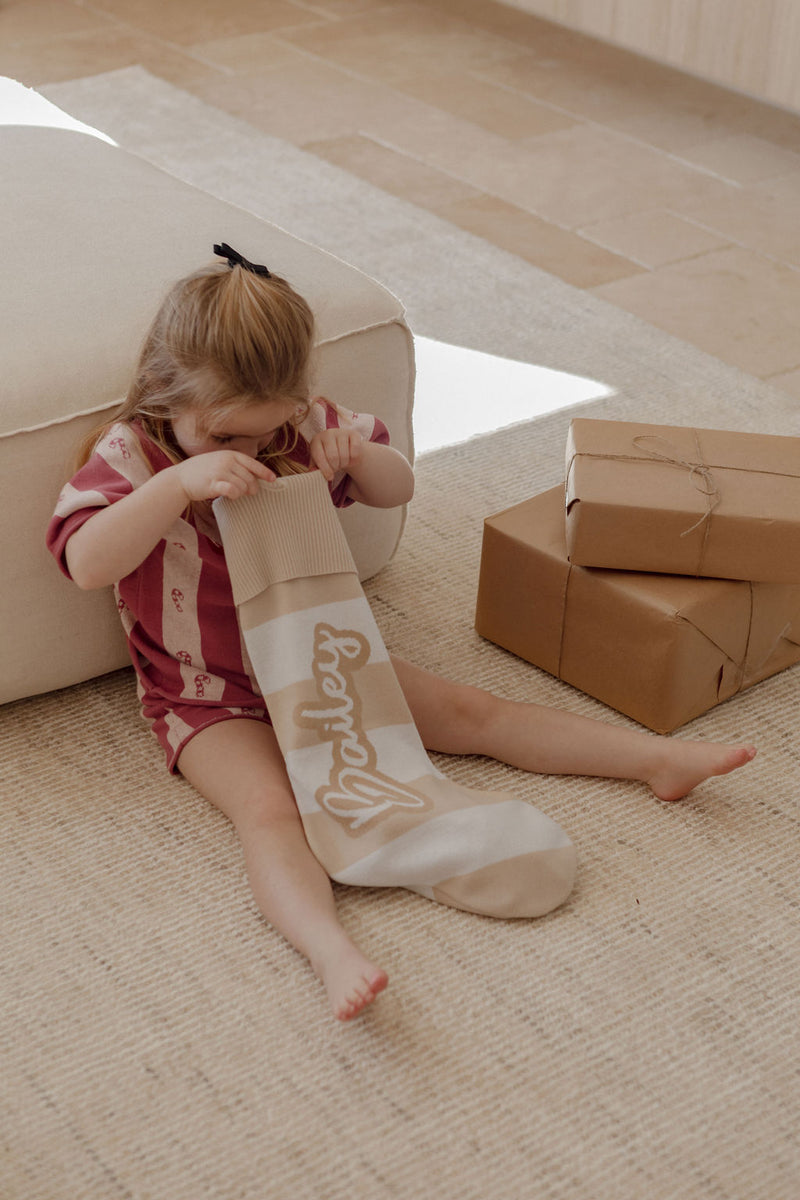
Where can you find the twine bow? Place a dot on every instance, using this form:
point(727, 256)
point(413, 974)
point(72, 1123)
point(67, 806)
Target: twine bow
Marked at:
point(699, 473)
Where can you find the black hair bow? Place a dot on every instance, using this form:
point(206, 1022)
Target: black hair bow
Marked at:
point(235, 259)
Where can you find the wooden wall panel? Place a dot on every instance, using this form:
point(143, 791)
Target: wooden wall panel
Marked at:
point(750, 45)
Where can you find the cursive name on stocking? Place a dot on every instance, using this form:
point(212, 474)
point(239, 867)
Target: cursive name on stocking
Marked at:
point(357, 793)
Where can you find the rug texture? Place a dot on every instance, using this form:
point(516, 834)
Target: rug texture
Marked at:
point(160, 1041)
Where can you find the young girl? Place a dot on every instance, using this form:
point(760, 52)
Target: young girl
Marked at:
point(219, 402)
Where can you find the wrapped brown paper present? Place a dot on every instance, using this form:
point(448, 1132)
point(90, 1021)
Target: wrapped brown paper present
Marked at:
point(659, 648)
point(684, 501)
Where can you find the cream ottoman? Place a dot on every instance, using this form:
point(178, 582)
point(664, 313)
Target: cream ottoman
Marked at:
point(93, 236)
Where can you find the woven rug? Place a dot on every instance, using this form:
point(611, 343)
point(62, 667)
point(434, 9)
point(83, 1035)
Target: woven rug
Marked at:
point(160, 1041)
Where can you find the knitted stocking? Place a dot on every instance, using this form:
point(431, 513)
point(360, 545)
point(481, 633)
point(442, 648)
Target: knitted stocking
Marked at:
point(375, 810)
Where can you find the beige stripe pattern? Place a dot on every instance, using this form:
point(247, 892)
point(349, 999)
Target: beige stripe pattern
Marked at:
point(375, 810)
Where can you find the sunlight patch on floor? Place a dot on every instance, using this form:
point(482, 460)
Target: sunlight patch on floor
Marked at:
point(20, 106)
point(461, 393)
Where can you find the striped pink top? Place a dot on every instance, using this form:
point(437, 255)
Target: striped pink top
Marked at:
point(177, 608)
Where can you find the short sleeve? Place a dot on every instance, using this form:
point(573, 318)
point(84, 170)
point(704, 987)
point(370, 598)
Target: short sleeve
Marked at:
point(116, 467)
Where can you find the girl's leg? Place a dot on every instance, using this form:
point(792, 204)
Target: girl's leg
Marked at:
point(456, 719)
point(238, 766)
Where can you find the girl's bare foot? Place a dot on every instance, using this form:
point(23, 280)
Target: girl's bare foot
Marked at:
point(685, 764)
point(351, 980)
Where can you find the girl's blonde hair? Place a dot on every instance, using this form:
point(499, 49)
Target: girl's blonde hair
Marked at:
point(224, 337)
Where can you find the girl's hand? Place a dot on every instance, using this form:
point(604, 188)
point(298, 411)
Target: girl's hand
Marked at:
point(221, 473)
point(119, 537)
point(335, 450)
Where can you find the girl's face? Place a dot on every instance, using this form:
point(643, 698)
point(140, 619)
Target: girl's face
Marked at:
point(249, 429)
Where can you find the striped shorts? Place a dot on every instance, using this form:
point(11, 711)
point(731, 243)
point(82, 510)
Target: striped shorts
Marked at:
point(175, 725)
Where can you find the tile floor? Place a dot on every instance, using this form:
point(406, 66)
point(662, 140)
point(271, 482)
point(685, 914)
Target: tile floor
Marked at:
point(670, 197)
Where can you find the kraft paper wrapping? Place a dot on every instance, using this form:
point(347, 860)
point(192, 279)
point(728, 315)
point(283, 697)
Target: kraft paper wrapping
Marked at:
point(660, 648)
point(683, 501)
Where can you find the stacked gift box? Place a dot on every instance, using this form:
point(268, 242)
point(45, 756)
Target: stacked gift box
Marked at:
point(663, 578)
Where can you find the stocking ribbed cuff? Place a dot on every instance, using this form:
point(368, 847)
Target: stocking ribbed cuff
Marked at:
point(289, 530)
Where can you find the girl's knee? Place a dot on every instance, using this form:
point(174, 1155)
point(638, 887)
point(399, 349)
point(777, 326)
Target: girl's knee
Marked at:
point(457, 723)
point(268, 807)
point(470, 707)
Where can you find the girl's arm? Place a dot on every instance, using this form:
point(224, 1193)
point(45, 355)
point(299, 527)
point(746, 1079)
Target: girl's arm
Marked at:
point(379, 475)
point(114, 541)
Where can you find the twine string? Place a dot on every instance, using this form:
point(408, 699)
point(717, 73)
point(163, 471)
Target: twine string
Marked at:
point(745, 671)
point(700, 474)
